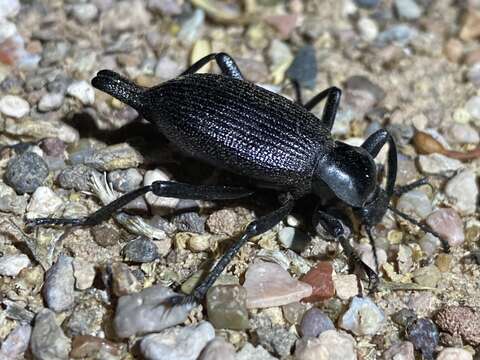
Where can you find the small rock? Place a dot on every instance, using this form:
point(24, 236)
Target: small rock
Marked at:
point(462, 190)
point(472, 106)
point(224, 222)
point(280, 58)
point(362, 93)
point(16, 343)
point(293, 312)
point(427, 276)
point(448, 224)
point(51, 102)
point(125, 15)
point(76, 177)
point(14, 106)
point(454, 50)
point(470, 27)
point(454, 353)
point(53, 147)
point(84, 273)
point(26, 172)
point(366, 255)
point(58, 290)
point(460, 321)
point(84, 13)
point(367, 4)
point(268, 285)
point(404, 317)
point(443, 262)
point(331, 345)
point(304, 67)
point(249, 352)
point(114, 157)
point(429, 244)
point(48, 341)
point(87, 346)
point(363, 317)
point(438, 163)
point(191, 28)
point(125, 180)
point(167, 68)
point(346, 286)
point(105, 235)
point(423, 334)
point(400, 351)
point(227, 307)
point(82, 91)
point(140, 250)
point(218, 349)
point(408, 9)
point(86, 317)
point(274, 338)
point(43, 203)
point(314, 323)
point(11, 265)
point(292, 238)
point(124, 282)
point(284, 23)
point(165, 7)
point(158, 201)
point(320, 278)
point(179, 343)
point(415, 203)
point(146, 312)
point(189, 222)
point(367, 28)
point(9, 8)
point(462, 134)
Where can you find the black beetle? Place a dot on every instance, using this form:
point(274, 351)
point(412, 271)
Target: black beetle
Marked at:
point(235, 125)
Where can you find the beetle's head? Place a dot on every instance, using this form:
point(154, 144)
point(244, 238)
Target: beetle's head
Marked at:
point(350, 172)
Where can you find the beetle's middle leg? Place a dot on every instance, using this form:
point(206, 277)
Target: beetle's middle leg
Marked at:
point(159, 188)
point(333, 95)
point(224, 61)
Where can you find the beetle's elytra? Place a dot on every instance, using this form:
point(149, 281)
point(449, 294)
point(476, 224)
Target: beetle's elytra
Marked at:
point(235, 125)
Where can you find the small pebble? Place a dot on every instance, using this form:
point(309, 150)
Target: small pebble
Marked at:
point(58, 290)
point(346, 286)
point(84, 273)
point(404, 317)
point(472, 106)
point(281, 58)
point(48, 342)
point(462, 134)
point(105, 235)
point(9, 8)
point(11, 265)
point(84, 13)
point(429, 244)
point(438, 163)
point(87, 346)
point(16, 343)
point(273, 337)
point(158, 201)
point(51, 102)
point(470, 27)
point(114, 157)
point(14, 106)
point(400, 351)
point(268, 285)
point(363, 317)
point(125, 180)
point(462, 190)
point(315, 322)
point(284, 24)
point(249, 352)
point(331, 344)
point(189, 222)
point(226, 307)
point(82, 91)
point(179, 343)
point(145, 312)
point(368, 28)
point(415, 203)
point(76, 177)
point(320, 278)
point(443, 262)
point(304, 67)
point(423, 334)
point(427, 276)
point(167, 68)
point(140, 250)
point(454, 354)
point(293, 312)
point(447, 223)
point(7, 30)
point(408, 9)
point(292, 238)
point(53, 147)
point(165, 7)
point(224, 222)
point(218, 349)
point(43, 203)
point(400, 35)
point(367, 4)
point(460, 321)
point(191, 27)
point(26, 172)
point(124, 281)
point(123, 16)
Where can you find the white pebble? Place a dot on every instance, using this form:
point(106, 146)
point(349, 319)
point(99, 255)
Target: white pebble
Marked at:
point(83, 91)
point(50, 102)
point(473, 107)
point(415, 203)
point(363, 317)
point(84, 13)
point(368, 28)
point(43, 203)
point(154, 200)
point(11, 265)
point(346, 286)
point(9, 8)
point(331, 344)
point(84, 273)
point(438, 163)
point(454, 353)
point(462, 134)
point(462, 190)
point(7, 29)
point(14, 106)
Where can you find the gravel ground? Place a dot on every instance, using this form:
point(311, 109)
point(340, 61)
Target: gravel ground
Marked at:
point(66, 149)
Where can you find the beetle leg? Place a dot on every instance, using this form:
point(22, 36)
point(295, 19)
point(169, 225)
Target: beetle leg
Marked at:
point(399, 190)
point(255, 228)
point(159, 188)
point(224, 61)
point(298, 91)
point(333, 95)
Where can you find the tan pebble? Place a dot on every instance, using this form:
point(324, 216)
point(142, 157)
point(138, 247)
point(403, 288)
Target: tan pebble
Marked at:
point(454, 50)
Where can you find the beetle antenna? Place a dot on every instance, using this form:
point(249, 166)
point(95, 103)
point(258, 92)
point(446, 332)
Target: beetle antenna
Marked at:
point(368, 229)
point(424, 227)
point(120, 88)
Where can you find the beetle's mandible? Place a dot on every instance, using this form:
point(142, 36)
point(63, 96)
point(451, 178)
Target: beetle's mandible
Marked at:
point(235, 125)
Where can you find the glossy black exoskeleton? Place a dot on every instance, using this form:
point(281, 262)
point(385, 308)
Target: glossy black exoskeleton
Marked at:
point(235, 125)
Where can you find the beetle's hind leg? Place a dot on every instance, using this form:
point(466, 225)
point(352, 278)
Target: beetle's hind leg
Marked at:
point(224, 61)
point(333, 95)
point(159, 188)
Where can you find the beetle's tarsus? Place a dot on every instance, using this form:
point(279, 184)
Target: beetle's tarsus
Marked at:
point(181, 300)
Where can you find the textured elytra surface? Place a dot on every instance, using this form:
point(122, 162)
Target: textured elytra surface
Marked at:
point(238, 126)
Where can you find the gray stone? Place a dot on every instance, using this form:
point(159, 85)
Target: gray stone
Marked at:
point(50, 102)
point(140, 250)
point(367, 4)
point(179, 343)
point(423, 334)
point(315, 322)
point(84, 13)
point(26, 172)
point(48, 342)
point(330, 345)
point(125, 180)
point(274, 338)
point(58, 290)
point(191, 27)
point(438, 163)
point(415, 203)
point(408, 9)
point(11, 265)
point(218, 349)
point(462, 190)
point(427, 276)
point(189, 222)
point(16, 343)
point(82, 91)
point(9, 8)
point(400, 351)
point(114, 157)
point(76, 177)
point(249, 352)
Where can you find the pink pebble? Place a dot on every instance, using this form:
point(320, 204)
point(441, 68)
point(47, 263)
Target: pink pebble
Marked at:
point(447, 223)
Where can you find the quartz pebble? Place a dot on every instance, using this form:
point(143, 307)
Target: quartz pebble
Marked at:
point(226, 307)
point(454, 353)
point(11, 265)
point(218, 349)
point(438, 163)
point(9, 8)
point(58, 290)
point(368, 28)
point(84, 13)
point(50, 102)
point(320, 278)
point(363, 317)
point(315, 322)
point(82, 91)
point(43, 203)
point(16, 343)
point(447, 223)
point(293, 312)
point(400, 351)
point(268, 284)
point(26, 172)
point(179, 343)
point(346, 286)
point(423, 334)
point(408, 9)
point(146, 312)
point(48, 341)
point(249, 352)
point(460, 321)
point(84, 273)
point(331, 344)
point(415, 203)
point(14, 106)
point(140, 250)
point(462, 190)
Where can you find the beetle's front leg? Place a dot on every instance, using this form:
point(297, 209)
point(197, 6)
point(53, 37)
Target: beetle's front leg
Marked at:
point(224, 61)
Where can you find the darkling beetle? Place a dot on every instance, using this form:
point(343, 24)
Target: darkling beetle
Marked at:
point(235, 125)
